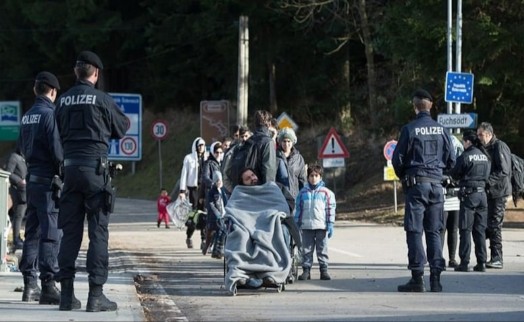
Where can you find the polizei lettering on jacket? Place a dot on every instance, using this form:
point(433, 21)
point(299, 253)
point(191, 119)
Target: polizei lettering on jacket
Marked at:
point(78, 99)
point(478, 157)
point(429, 130)
point(31, 119)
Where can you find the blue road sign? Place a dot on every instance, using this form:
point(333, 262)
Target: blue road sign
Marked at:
point(459, 87)
point(128, 148)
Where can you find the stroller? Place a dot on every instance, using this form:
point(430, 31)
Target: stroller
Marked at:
point(260, 249)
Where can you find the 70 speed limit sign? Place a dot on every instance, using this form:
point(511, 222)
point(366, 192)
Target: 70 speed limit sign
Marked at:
point(159, 129)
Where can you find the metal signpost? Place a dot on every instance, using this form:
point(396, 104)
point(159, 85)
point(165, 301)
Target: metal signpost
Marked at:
point(333, 152)
point(459, 87)
point(128, 148)
point(389, 172)
point(159, 132)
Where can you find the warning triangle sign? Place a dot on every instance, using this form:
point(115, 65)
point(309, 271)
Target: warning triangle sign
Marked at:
point(333, 147)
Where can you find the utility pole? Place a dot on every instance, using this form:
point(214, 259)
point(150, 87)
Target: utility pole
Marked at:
point(458, 49)
point(243, 70)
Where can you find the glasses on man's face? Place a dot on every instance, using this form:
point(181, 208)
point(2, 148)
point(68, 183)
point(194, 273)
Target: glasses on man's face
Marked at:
point(220, 152)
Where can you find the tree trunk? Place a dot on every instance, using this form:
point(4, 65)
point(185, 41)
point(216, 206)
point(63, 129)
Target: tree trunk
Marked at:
point(372, 82)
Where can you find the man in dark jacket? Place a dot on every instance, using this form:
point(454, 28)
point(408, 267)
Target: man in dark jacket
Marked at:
point(17, 190)
point(499, 190)
point(40, 144)
point(87, 119)
point(266, 162)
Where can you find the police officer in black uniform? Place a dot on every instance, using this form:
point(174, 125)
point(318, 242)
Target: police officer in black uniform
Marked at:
point(472, 171)
point(423, 151)
point(40, 144)
point(87, 119)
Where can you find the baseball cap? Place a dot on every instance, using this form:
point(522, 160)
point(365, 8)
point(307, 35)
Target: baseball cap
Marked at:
point(422, 94)
point(91, 58)
point(47, 78)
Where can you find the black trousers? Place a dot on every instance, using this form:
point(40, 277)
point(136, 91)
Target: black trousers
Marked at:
point(496, 210)
point(473, 221)
point(83, 196)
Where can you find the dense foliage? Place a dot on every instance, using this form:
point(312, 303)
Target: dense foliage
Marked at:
point(355, 61)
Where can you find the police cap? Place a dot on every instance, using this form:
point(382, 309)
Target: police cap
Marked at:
point(91, 58)
point(422, 94)
point(48, 78)
point(469, 135)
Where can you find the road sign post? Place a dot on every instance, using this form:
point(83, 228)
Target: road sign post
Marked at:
point(333, 152)
point(389, 172)
point(128, 148)
point(159, 132)
point(468, 120)
point(459, 87)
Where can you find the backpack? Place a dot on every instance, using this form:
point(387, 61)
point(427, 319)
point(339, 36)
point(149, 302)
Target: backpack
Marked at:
point(517, 178)
point(237, 158)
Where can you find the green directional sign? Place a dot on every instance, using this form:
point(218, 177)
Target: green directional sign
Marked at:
point(10, 115)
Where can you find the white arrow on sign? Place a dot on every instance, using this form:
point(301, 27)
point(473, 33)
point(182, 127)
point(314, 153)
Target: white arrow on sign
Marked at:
point(458, 120)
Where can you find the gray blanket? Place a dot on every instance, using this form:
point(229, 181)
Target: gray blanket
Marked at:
point(255, 246)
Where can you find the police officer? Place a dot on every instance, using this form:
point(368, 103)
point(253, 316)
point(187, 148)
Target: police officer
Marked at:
point(499, 190)
point(423, 151)
point(87, 119)
point(40, 144)
point(472, 171)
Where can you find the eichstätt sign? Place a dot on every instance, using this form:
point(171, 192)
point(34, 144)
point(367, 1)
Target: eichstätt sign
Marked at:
point(459, 87)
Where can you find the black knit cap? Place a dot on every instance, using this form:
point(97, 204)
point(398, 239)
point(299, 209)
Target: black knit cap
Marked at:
point(422, 94)
point(91, 58)
point(469, 135)
point(47, 78)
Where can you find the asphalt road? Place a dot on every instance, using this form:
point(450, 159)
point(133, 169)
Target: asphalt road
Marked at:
point(367, 262)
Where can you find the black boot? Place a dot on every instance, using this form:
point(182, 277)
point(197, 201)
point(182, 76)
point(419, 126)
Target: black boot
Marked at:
point(97, 301)
point(31, 290)
point(324, 275)
point(50, 293)
point(306, 275)
point(68, 301)
point(434, 280)
point(415, 284)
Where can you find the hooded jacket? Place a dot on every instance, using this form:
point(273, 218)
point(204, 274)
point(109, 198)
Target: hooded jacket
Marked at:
point(189, 176)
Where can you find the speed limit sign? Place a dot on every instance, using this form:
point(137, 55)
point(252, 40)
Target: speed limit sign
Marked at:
point(159, 129)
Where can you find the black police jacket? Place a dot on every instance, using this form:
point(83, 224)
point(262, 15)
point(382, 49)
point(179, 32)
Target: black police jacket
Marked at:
point(472, 168)
point(424, 149)
point(500, 175)
point(87, 119)
point(39, 139)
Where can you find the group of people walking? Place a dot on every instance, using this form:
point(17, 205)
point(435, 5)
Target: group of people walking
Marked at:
point(483, 171)
point(208, 179)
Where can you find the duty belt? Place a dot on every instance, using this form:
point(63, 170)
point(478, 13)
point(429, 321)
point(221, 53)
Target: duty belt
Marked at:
point(37, 179)
point(472, 189)
point(81, 163)
point(426, 180)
